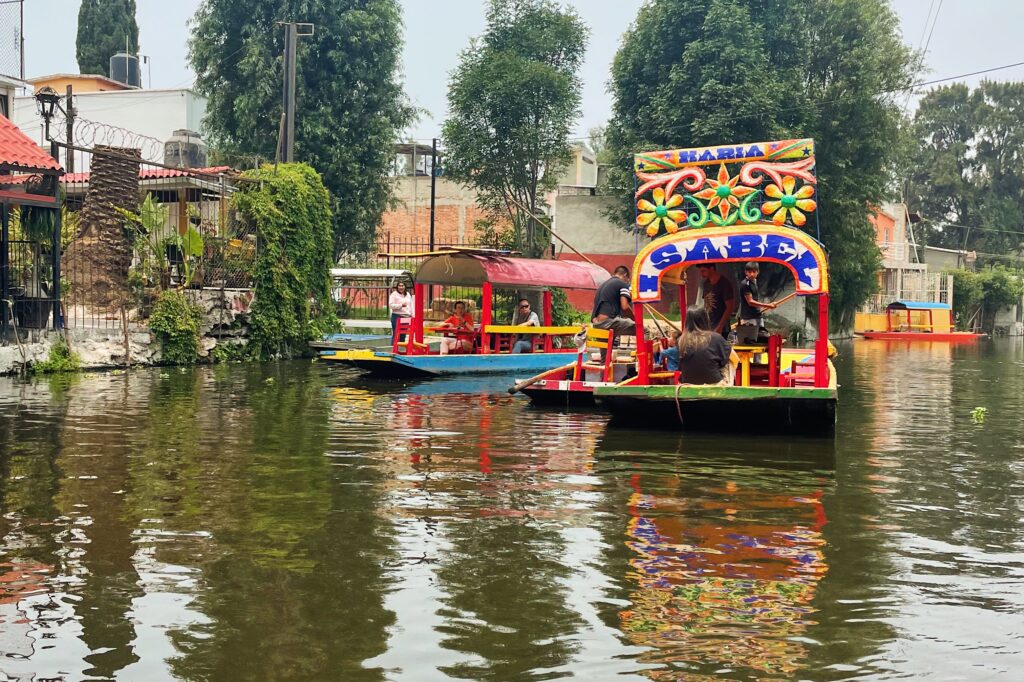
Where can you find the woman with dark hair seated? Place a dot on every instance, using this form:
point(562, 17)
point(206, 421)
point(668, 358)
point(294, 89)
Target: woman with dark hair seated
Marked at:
point(705, 357)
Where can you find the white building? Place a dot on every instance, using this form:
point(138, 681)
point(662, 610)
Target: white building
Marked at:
point(131, 117)
point(8, 87)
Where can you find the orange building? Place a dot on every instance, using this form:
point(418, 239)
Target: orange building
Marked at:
point(903, 276)
point(80, 83)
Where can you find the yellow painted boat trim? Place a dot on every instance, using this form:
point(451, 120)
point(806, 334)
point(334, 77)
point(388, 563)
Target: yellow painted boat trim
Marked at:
point(523, 329)
point(354, 354)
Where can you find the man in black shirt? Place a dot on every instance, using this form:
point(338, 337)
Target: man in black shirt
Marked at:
point(613, 306)
point(719, 298)
point(750, 307)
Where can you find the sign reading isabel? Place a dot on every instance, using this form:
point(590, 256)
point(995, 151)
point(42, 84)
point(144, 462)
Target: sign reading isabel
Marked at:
point(766, 243)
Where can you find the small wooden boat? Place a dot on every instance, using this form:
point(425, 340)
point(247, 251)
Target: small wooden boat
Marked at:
point(413, 356)
point(920, 321)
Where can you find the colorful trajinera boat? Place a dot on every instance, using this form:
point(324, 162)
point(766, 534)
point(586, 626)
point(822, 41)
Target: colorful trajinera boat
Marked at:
point(920, 321)
point(489, 344)
point(776, 388)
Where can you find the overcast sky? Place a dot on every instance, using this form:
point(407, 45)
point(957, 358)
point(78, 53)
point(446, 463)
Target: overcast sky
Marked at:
point(969, 35)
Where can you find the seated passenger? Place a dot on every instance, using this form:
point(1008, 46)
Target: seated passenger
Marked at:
point(705, 357)
point(527, 318)
point(460, 322)
point(670, 354)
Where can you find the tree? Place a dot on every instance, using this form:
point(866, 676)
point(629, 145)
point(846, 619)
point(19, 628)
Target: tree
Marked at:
point(350, 107)
point(105, 27)
point(512, 100)
point(939, 177)
point(692, 73)
point(967, 177)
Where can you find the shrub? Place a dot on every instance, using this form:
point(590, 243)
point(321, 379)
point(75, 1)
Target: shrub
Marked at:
point(291, 210)
point(986, 292)
point(60, 359)
point(176, 322)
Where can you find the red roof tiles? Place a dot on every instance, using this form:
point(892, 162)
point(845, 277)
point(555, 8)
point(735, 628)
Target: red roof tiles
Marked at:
point(19, 152)
point(156, 173)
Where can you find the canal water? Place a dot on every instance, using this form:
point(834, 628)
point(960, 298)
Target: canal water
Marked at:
point(292, 521)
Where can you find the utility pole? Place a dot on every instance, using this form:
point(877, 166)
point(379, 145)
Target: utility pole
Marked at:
point(69, 110)
point(433, 187)
point(292, 31)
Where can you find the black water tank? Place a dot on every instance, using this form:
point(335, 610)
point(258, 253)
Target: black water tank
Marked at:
point(124, 68)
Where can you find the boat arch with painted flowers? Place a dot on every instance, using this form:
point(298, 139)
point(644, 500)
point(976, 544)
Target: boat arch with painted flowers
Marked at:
point(485, 346)
point(752, 206)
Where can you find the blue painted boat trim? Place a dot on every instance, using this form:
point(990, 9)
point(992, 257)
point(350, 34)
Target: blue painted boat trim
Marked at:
point(440, 365)
point(918, 305)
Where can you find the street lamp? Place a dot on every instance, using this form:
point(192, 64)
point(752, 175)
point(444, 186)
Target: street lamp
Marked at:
point(47, 100)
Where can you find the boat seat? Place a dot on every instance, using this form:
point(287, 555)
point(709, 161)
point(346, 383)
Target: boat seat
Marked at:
point(798, 378)
point(599, 340)
point(403, 334)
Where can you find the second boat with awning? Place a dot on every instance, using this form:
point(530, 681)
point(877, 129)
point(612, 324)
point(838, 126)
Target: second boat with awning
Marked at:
point(489, 344)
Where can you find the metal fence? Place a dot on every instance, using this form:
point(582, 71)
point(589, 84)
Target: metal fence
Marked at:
point(365, 300)
point(12, 43)
point(173, 228)
point(910, 285)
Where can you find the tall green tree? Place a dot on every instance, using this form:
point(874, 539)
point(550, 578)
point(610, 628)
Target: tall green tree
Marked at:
point(942, 169)
point(513, 99)
point(105, 27)
point(350, 107)
point(967, 177)
point(704, 72)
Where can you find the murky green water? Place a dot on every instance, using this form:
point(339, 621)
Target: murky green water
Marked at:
point(292, 522)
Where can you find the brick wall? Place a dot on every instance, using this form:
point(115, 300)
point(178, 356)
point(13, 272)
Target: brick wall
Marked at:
point(455, 213)
point(453, 223)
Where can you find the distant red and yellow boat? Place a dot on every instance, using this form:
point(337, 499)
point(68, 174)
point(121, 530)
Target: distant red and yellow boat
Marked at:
point(920, 321)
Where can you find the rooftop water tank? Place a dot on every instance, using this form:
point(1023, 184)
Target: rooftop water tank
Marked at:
point(124, 68)
point(185, 149)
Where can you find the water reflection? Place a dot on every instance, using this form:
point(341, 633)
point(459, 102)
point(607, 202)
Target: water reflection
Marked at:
point(292, 521)
point(725, 552)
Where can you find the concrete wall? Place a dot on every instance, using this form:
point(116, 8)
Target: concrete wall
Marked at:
point(581, 170)
point(79, 83)
point(6, 99)
point(580, 220)
point(942, 259)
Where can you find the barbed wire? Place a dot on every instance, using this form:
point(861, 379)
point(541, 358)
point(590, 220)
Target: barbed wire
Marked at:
point(92, 134)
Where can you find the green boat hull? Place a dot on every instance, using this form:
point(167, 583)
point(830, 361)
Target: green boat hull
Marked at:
point(722, 408)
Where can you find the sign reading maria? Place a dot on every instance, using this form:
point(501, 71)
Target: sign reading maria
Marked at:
point(721, 186)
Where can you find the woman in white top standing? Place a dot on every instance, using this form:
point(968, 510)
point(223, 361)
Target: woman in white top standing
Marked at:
point(400, 303)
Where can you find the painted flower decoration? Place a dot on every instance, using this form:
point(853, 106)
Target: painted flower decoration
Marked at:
point(724, 194)
point(660, 213)
point(786, 200)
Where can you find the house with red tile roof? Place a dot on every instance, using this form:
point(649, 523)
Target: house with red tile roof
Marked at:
point(27, 179)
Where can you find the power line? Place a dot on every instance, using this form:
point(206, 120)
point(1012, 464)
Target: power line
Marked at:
point(941, 225)
point(922, 46)
point(934, 21)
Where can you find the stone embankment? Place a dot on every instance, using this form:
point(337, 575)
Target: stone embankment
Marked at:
point(225, 324)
